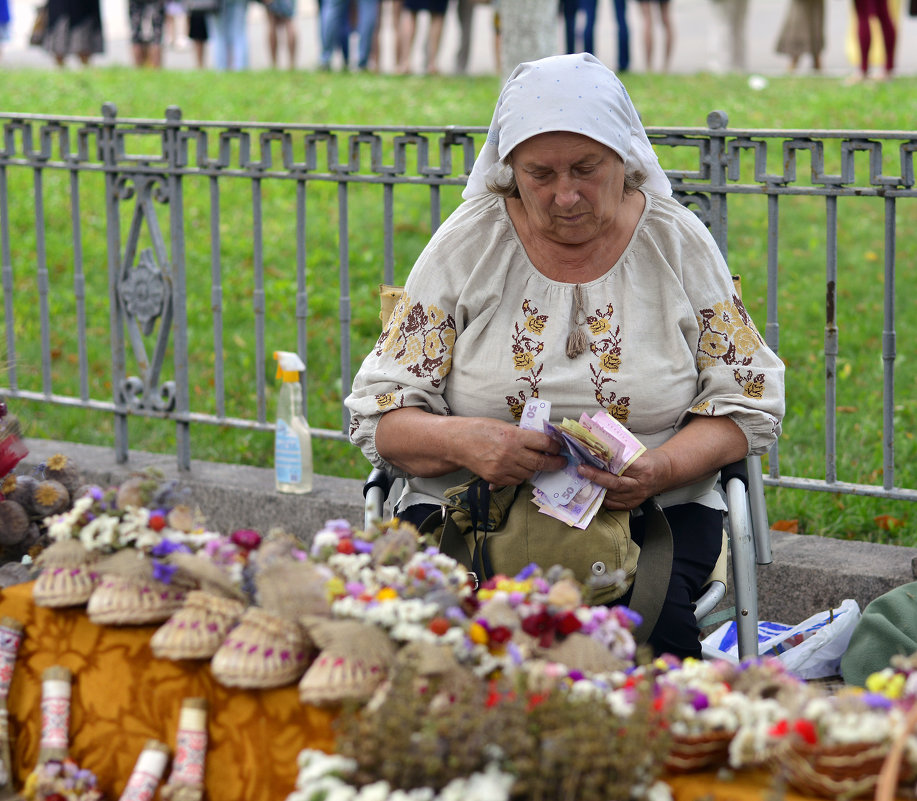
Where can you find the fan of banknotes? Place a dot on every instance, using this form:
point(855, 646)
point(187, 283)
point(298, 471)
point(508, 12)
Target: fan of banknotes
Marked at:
point(600, 441)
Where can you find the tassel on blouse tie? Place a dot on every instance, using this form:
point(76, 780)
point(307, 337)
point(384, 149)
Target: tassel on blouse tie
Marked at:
point(576, 337)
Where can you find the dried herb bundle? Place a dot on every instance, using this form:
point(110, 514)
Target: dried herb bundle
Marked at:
point(559, 745)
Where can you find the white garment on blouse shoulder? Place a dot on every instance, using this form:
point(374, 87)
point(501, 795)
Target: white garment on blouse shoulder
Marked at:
point(479, 331)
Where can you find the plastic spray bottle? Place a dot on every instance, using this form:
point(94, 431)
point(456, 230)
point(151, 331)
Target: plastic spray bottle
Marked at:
point(293, 440)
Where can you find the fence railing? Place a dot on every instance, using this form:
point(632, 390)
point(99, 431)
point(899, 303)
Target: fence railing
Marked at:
point(214, 237)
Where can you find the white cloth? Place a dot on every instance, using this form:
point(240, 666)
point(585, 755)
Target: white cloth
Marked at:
point(479, 331)
point(572, 93)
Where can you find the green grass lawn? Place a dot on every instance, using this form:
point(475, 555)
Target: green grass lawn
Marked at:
point(375, 100)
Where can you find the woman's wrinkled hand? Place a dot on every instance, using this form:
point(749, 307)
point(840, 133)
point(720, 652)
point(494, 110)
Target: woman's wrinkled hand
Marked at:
point(504, 454)
point(646, 476)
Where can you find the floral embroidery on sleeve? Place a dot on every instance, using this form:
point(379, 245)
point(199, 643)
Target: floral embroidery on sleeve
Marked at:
point(422, 340)
point(525, 350)
point(728, 335)
point(607, 350)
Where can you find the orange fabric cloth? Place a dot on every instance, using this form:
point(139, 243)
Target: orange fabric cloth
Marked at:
point(122, 696)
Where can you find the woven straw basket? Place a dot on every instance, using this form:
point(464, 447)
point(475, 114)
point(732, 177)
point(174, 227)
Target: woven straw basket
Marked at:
point(355, 659)
point(840, 771)
point(133, 601)
point(198, 629)
point(263, 651)
point(698, 751)
point(67, 577)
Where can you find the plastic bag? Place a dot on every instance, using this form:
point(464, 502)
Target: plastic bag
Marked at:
point(811, 650)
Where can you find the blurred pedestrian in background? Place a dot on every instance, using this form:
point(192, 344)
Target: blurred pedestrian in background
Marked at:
point(866, 11)
point(74, 28)
point(335, 29)
point(408, 33)
point(197, 33)
point(387, 20)
point(176, 26)
point(228, 35)
point(147, 18)
point(623, 35)
point(803, 32)
point(579, 40)
point(668, 31)
point(280, 15)
point(4, 23)
point(728, 46)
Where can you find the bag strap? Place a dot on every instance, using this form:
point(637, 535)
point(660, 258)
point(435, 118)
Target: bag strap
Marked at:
point(654, 569)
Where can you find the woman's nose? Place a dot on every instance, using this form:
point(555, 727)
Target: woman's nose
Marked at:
point(566, 193)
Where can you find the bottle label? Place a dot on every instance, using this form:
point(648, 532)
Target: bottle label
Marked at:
point(287, 455)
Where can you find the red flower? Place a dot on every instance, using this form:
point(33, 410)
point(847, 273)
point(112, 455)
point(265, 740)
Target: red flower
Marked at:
point(500, 634)
point(567, 623)
point(779, 729)
point(346, 546)
point(439, 626)
point(540, 625)
point(157, 521)
point(806, 729)
point(245, 538)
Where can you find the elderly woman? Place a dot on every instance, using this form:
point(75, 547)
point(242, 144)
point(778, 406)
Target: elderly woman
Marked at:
point(570, 274)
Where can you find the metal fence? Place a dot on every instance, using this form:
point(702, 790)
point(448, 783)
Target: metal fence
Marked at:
point(211, 251)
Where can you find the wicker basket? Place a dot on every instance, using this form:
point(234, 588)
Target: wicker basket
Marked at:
point(134, 601)
point(68, 575)
point(263, 651)
point(839, 771)
point(355, 659)
point(691, 752)
point(197, 630)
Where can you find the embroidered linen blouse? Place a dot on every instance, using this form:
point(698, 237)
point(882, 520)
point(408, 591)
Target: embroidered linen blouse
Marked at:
point(479, 331)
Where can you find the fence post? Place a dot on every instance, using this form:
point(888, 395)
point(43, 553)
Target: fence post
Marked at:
point(109, 157)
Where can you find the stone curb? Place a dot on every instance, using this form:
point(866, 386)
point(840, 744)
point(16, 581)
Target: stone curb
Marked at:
point(809, 573)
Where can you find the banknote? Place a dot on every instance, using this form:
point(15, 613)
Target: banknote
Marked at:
point(623, 446)
point(579, 511)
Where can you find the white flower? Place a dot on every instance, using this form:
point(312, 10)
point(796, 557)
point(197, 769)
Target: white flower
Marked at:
point(658, 791)
point(60, 527)
point(100, 534)
point(491, 785)
point(377, 791)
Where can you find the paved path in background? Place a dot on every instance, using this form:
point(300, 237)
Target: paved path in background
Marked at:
point(692, 19)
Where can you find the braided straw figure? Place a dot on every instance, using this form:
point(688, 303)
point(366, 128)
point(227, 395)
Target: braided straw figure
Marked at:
point(186, 781)
point(68, 574)
point(129, 594)
point(269, 647)
point(355, 658)
point(199, 627)
point(55, 714)
point(10, 640)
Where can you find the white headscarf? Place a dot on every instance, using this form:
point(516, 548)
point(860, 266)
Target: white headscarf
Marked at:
point(572, 93)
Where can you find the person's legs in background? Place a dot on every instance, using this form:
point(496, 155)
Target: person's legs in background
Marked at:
point(588, 7)
point(237, 33)
point(646, 12)
point(367, 19)
point(569, 9)
point(623, 35)
point(434, 38)
point(465, 10)
point(668, 34)
point(333, 16)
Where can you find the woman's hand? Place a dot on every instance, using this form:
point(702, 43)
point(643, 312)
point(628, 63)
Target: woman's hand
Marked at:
point(648, 475)
point(697, 451)
point(425, 444)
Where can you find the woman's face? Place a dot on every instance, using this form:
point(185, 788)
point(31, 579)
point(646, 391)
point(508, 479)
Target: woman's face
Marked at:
point(570, 185)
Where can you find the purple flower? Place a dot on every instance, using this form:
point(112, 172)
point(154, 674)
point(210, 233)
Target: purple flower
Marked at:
point(165, 547)
point(362, 546)
point(877, 701)
point(699, 702)
point(163, 572)
point(527, 571)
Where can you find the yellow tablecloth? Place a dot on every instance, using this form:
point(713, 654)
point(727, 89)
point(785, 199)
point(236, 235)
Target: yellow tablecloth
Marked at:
point(123, 697)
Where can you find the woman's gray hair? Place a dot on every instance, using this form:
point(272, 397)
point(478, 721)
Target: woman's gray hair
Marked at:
point(507, 188)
